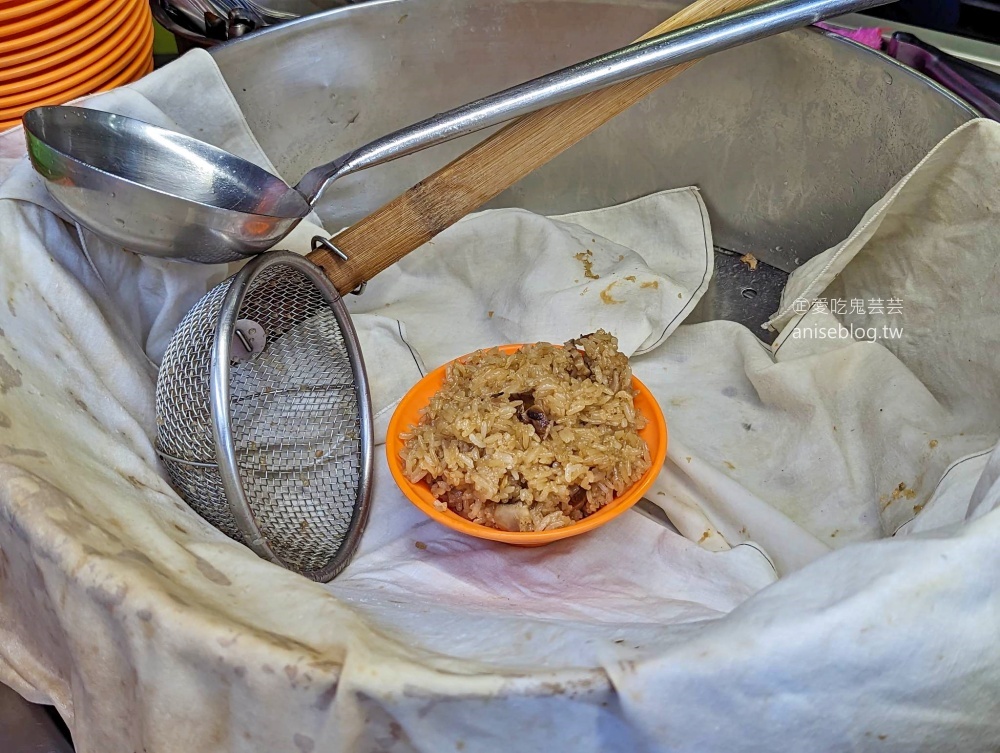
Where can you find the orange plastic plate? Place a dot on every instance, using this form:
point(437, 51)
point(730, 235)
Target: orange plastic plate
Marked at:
point(407, 413)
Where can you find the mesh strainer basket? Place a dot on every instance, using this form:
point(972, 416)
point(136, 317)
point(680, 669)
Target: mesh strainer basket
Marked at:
point(264, 417)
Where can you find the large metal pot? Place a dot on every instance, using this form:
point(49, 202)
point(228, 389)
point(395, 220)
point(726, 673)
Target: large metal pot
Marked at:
point(790, 139)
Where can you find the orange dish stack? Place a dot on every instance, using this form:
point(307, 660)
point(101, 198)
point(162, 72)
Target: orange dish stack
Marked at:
point(54, 51)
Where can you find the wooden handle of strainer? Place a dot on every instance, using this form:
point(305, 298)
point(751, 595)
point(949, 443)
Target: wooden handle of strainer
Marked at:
point(493, 165)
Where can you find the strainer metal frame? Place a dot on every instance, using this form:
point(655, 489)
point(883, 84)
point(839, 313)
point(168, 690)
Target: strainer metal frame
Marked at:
point(219, 399)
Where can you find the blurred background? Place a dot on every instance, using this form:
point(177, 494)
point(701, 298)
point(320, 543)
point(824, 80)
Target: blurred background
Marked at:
point(966, 29)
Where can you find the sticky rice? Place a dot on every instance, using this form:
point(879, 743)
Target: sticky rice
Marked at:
point(532, 440)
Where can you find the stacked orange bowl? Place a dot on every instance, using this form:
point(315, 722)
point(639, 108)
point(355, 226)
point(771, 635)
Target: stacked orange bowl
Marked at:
point(55, 51)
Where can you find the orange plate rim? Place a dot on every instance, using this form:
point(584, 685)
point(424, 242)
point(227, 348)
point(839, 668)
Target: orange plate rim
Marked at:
point(34, 21)
point(11, 43)
point(63, 77)
point(93, 75)
point(108, 79)
point(23, 9)
point(70, 54)
point(86, 30)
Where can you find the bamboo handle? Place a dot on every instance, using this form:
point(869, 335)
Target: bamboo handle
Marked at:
point(490, 167)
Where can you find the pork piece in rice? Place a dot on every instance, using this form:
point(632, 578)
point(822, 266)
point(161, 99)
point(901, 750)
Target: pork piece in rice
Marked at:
point(532, 440)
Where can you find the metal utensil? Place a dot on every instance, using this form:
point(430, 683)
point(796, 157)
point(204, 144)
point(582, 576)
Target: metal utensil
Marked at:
point(165, 194)
point(267, 15)
point(195, 10)
point(263, 415)
point(262, 400)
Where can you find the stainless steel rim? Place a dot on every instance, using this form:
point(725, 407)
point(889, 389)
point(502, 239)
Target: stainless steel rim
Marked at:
point(219, 398)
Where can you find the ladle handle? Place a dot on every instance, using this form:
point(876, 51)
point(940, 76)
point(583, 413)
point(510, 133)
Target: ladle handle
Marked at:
point(487, 169)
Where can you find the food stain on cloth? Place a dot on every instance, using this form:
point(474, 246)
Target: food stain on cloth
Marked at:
point(587, 259)
point(10, 377)
point(900, 492)
point(606, 296)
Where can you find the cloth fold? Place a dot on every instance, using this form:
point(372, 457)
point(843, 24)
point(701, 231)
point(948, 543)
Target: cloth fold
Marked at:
point(510, 276)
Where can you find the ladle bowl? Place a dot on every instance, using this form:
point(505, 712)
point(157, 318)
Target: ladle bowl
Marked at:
point(158, 192)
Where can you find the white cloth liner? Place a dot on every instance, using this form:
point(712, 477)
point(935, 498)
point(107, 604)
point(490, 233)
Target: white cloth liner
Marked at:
point(150, 630)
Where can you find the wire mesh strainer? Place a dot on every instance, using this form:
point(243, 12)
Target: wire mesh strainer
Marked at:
point(264, 418)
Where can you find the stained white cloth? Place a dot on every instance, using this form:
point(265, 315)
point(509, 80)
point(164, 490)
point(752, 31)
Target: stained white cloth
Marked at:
point(864, 473)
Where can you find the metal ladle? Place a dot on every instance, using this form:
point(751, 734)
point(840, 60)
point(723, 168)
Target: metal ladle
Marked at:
point(164, 194)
